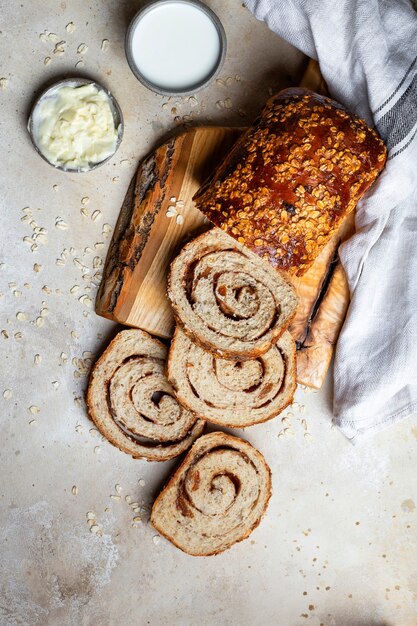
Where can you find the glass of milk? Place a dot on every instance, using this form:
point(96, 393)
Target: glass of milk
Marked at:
point(175, 47)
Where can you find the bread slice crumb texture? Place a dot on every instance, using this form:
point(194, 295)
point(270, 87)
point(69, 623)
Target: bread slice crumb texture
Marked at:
point(216, 498)
point(227, 299)
point(132, 403)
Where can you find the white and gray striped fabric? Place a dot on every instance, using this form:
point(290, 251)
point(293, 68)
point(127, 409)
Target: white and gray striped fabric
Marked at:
point(367, 51)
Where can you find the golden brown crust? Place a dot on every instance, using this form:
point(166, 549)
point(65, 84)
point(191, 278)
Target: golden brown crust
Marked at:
point(291, 179)
point(211, 439)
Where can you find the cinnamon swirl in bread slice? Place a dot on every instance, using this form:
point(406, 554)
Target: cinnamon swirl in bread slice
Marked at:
point(216, 497)
point(227, 299)
point(229, 392)
point(132, 403)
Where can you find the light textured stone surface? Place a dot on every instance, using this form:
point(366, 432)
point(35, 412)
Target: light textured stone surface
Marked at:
point(338, 544)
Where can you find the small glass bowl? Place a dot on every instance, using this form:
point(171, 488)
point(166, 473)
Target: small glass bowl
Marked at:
point(76, 82)
point(192, 88)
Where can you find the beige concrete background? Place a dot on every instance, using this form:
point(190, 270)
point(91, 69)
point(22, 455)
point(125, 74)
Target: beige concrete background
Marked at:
point(338, 544)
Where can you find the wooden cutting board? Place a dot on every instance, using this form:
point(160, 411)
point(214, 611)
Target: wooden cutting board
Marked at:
point(158, 216)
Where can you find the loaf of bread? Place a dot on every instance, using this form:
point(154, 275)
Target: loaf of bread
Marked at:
point(132, 403)
point(227, 299)
point(229, 392)
point(216, 497)
point(290, 179)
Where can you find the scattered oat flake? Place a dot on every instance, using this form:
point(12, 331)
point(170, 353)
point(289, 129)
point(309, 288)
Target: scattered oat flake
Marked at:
point(64, 357)
point(4, 334)
point(70, 27)
point(125, 162)
point(142, 482)
point(79, 64)
point(173, 199)
point(308, 435)
point(18, 336)
point(90, 515)
point(172, 212)
point(74, 334)
point(86, 300)
point(3, 83)
point(55, 187)
point(95, 529)
point(55, 384)
point(61, 224)
point(34, 409)
point(74, 490)
point(118, 488)
point(179, 219)
point(7, 394)
point(99, 245)
point(52, 37)
point(82, 48)
point(79, 428)
point(156, 539)
point(105, 44)
point(97, 449)
point(59, 49)
point(37, 268)
point(37, 359)
point(39, 321)
point(85, 212)
point(47, 61)
point(228, 103)
point(113, 497)
point(95, 215)
point(137, 519)
point(115, 179)
point(21, 316)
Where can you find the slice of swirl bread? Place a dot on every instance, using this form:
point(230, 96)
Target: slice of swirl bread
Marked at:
point(229, 392)
point(228, 299)
point(216, 497)
point(132, 403)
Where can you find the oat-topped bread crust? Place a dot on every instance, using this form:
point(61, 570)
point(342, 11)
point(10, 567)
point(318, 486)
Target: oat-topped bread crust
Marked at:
point(216, 497)
point(227, 299)
point(132, 403)
point(232, 393)
point(290, 179)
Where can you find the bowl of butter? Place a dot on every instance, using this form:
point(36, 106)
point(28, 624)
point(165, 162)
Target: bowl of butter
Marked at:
point(76, 125)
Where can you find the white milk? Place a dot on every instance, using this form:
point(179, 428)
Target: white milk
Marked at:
point(175, 46)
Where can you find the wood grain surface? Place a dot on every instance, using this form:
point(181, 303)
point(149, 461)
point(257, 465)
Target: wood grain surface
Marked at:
point(158, 216)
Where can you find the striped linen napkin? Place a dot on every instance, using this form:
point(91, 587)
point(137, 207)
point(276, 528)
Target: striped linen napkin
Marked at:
point(367, 51)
